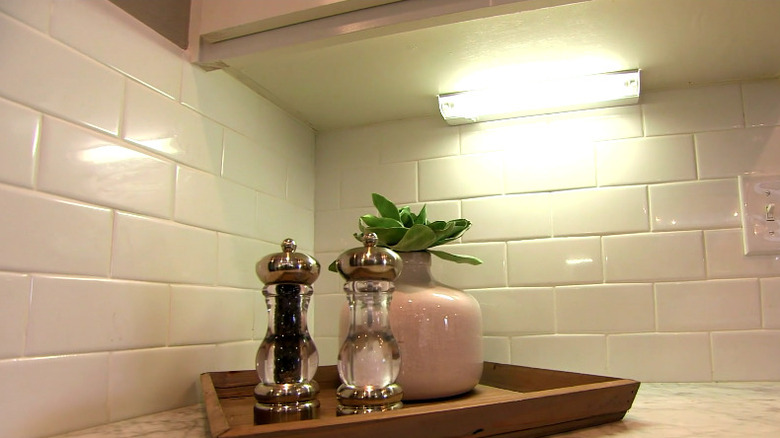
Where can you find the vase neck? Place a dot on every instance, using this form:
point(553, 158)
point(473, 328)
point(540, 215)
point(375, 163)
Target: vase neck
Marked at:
point(416, 269)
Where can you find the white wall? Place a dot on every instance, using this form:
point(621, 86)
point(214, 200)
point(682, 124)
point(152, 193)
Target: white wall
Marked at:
point(611, 238)
point(136, 194)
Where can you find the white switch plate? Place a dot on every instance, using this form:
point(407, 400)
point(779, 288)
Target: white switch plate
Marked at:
point(760, 199)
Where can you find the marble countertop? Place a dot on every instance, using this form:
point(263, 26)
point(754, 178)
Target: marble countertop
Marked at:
point(660, 410)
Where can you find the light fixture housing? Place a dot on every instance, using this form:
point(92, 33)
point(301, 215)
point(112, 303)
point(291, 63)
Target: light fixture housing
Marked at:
point(545, 97)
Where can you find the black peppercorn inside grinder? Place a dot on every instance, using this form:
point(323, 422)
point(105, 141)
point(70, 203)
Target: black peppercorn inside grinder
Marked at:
point(287, 358)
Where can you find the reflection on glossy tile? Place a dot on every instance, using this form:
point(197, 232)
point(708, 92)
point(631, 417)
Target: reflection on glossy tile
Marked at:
point(69, 315)
point(15, 296)
point(645, 160)
point(84, 165)
point(570, 260)
point(695, 205)
point(550, 166)
point(463, 176)
point(415, 139)
point(508, 217)
point(599, 211)
point(59, 379)
point(575, 353)
point(726, 154)
point(746, 355)
point(47, 234)
point(532, 310)
point(693, 109)
point(654, 256)
point(655, 357)
point(201, 315)
point(770, 301)
point(28, 79)
point(604, 308)
point(761, 99)
point(19, 126)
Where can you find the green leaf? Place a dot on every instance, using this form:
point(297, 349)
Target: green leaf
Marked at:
point(385, 207)
point(418, 238)
point(422, 217)
point(457, 258)
point(382, 222)
point(387, 236)
point(407, 218)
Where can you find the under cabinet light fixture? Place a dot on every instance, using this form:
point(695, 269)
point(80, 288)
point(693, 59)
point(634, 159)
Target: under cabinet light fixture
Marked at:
point(552, 96)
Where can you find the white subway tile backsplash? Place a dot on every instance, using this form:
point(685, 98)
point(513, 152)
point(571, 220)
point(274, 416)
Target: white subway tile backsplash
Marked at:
point(48, 234)
point(604, 308)
point(746, 355)
point(508, 217)
point(47, 396)
point(533, 310)
point(725, 257)
point(260, 326)
point(348, 148)
point(148, 57)
point(464, 176)
point(575, 353)
point(550, 165)
point(396, 181)
point(76, 315)
point(156, 250)
point(15, 296)
point(327, 312)
point(237, 259)
point(84, 165)
point(207, 201)
point(333, 229)
point(161, 125)
point(692, 110)
point(491, 273)
point(234, 356)
point(770, 302)
point(201, 315)
point(708, 305)
point(572, 260)
point(599, 211)
point(300, 181)
point(327, 188)
point(761, 99)
point(661, 357)
point(645, 160)
point(654, 257)
point(695, 205)
point(19, 126)
point(254, 165)
point(416, 139)
point(725, 154)
point(33, 12)
point(328, 349)
point(496, 349)
point(154, 380)
point(81, 90)
point(278, 220)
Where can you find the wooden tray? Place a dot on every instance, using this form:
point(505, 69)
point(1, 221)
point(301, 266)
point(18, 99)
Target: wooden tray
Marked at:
point(510, 401)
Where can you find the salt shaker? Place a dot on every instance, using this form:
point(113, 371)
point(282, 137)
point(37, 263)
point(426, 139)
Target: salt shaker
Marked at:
point(369, 359)
point(287, 358)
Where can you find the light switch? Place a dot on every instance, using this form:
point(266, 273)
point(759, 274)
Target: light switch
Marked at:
point(759, 196)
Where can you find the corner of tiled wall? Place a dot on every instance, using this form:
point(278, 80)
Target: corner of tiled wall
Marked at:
point(611, 238)
point(137, 192)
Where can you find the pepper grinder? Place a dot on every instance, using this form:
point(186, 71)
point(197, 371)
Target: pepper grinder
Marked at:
point(287, 358)
point(369, 359)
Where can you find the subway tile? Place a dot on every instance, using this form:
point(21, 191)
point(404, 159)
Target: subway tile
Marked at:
point(236, 356)
point(693, 110)
point(19, 126)
point(33, 12)
point(508, 217)
point(645, 160)
point(100, 30)
point(416, 139)
point(515, 311)
point(301, 184)
point(162, 125)
point(574, 353)
point(328, 282)
point(154, 380)
point(328, 350)
point(491, 273)
point(279, 220)
point(327, 188)
point(599, 211)
point(724, 154)
point(155, 250)
point(465, 176)
point(81, 90)
point(254, 165)
point(15, 296)
point(207, 201)
point(395, 181)
point(207, 315)
point(571, 260)
point(84, 165)
point(333, 229)
point(237, 259)
point(439, 210)
point(770, 302)
point(496, 349)
point(260, 326)
point(327, 314)
point(53, 395)
point(695, 205)
point(604, 308)
point(708, 305)
point(41, 233)
point(761, 99)
point(725, 257)
point(493, 136)
point(551, 165)
point(654, 256)
point(746, 355)
point(660, 357)
point(351, 147)
point(77, 315)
